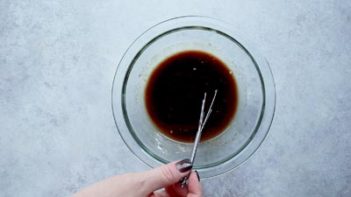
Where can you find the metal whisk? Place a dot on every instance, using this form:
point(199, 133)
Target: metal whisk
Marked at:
point(202, 122)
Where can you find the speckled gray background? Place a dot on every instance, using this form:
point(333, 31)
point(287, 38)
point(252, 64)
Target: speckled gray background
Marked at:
point(57, 62)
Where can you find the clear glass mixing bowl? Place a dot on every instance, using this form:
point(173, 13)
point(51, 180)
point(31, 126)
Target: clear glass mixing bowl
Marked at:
point(255, 86)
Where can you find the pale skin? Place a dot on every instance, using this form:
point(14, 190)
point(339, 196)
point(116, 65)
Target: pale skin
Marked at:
point(159, 182)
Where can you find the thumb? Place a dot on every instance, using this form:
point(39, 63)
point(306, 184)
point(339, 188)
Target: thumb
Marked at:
point(166, 175)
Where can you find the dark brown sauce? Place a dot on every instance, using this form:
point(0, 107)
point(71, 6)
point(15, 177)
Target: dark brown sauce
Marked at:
point(176, 88)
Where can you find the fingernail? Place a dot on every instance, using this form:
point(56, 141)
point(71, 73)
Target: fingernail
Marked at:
point(184, 165)
point(198, 176)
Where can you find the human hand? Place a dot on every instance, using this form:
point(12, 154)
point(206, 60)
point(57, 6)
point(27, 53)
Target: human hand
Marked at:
point(159, 182)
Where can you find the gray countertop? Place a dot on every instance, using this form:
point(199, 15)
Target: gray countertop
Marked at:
point(57, 62)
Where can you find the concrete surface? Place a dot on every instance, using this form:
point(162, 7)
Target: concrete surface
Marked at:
point(57, 62)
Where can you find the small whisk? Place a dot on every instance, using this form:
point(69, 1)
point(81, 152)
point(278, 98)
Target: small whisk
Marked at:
point(202, 123)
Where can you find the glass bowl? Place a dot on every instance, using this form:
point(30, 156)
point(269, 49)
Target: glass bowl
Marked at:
point(255, 84)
